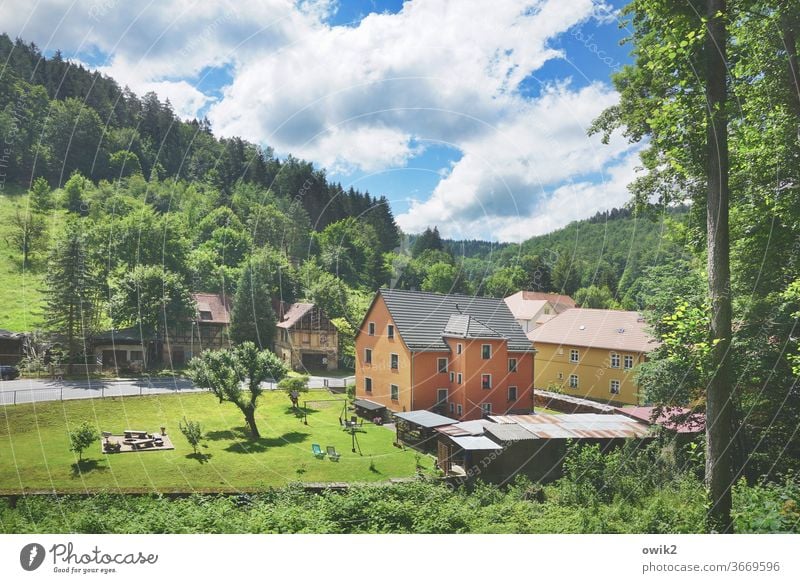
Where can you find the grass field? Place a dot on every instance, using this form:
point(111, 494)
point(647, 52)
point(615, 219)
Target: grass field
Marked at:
point(19, 290)
point(35, 456)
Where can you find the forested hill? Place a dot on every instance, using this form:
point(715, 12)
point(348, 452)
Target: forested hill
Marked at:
point(59, 118)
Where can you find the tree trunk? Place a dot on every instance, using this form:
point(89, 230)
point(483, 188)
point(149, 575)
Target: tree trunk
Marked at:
point(250, 418)
point(718, 398)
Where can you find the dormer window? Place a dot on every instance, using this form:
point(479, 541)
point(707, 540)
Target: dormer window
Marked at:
point(205, 315)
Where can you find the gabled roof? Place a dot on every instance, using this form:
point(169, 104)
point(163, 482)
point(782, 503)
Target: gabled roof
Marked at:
point(421, 318)
point(216, 304)
point(607, 329)
point(294, 313)
point(526, 304)
point(465, 326)
point(126, 336)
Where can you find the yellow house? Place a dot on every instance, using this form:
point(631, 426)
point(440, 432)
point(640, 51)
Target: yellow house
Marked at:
point(591, 353)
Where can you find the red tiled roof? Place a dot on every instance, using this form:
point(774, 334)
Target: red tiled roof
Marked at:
point(560, 302)
point(217, 304)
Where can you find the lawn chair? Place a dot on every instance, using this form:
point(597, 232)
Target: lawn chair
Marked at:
point(332, 454)
point(317, 451)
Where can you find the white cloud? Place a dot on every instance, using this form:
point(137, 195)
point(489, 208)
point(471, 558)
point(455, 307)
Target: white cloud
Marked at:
point(365, 97)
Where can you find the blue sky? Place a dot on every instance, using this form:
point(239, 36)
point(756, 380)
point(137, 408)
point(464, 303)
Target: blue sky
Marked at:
point(465, 114)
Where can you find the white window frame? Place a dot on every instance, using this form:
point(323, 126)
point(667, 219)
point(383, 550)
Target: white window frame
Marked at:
point(458, 379)
point(371, 328)
point(367, 384)
point(459, 348)
point(489, 346)
point(486, 374)
point(516, 394)
point(394, 392)
point(576, 383)
point(625, 360)
point(615, 357)
point(390, 331)
point(439, 368)
point(611, 386)
point(452, 376)
point(486, 408)
point(514, 368)
point(439, 400)
point(574, 355)
point(394, 358)
point(367, 356)
point(459, 410)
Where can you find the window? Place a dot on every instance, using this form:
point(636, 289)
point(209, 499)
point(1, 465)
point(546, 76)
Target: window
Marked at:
point(512, 365)
point(459, 410)
point(573, 355)
point(395, 392)
point(615, 387)
point(284, 334)
point(368, 384)
point(390, 331)
point(614, 360)
point(486, 408)
point(512, 393)
point(306, 338)
point(458, 377)
point(441, 365)
point(573, 381)
point(372, 328)
point(204, 315)
point(486, 351)
point(394, 362)
point(628, 362)
point(367, 356)
point(452, 407)
point(136, 355)
point(452, 376)
point(486, 381)
point(441, 396)
point(459, 348)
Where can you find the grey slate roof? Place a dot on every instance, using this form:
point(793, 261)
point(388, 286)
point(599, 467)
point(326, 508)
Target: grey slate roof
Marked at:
point(465, 326)
point(422, 317)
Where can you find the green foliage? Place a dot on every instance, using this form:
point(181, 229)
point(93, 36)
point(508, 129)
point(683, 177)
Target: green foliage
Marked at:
point(192, 431)
point(292, 384)
point(595, 297)
point(429, 240)
point(41, 196)
point(26, 234)
point(82, 437)
point(225, 371)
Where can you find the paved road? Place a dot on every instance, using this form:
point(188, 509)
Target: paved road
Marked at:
point(39, 390)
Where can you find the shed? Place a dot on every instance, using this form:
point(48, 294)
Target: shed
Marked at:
point(369, 409)
point(416, 428)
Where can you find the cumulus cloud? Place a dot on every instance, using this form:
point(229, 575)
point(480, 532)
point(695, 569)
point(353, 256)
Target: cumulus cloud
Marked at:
point(369, 97)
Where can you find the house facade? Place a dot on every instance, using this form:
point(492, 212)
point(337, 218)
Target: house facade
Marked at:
point(306, 339)
point(208, 330)
point(460, 356)
point(592, 353)
point(532, 309)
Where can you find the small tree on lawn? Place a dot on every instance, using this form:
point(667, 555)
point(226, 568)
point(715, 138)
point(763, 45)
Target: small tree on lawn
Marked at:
point(82, 438)
point(226, 372)
point(192, 431)
point(293, 386)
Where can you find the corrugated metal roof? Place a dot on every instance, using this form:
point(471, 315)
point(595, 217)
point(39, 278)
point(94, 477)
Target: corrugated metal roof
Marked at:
point(475, 443)
point(368, 405)
point(510, 432)
point(607, 329)
point(577, 426)
point(678, 419)
point(602, 407)
point(421, 318)
point(425, 418)
point(475, 427)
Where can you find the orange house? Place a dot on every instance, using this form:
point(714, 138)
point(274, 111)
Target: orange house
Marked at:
point(461, 356)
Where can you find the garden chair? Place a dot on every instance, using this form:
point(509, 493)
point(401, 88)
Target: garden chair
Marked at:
point(333, 455)
point(317, 451)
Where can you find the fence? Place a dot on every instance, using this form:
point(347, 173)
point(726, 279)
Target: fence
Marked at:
point(67, 391)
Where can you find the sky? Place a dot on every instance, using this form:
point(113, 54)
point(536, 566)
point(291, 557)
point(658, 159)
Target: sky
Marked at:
point(470, 115)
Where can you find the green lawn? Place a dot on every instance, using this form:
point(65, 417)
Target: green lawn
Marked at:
point(34, 446)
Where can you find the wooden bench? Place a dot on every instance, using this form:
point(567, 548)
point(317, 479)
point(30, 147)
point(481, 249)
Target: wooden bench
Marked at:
point(135, 434)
